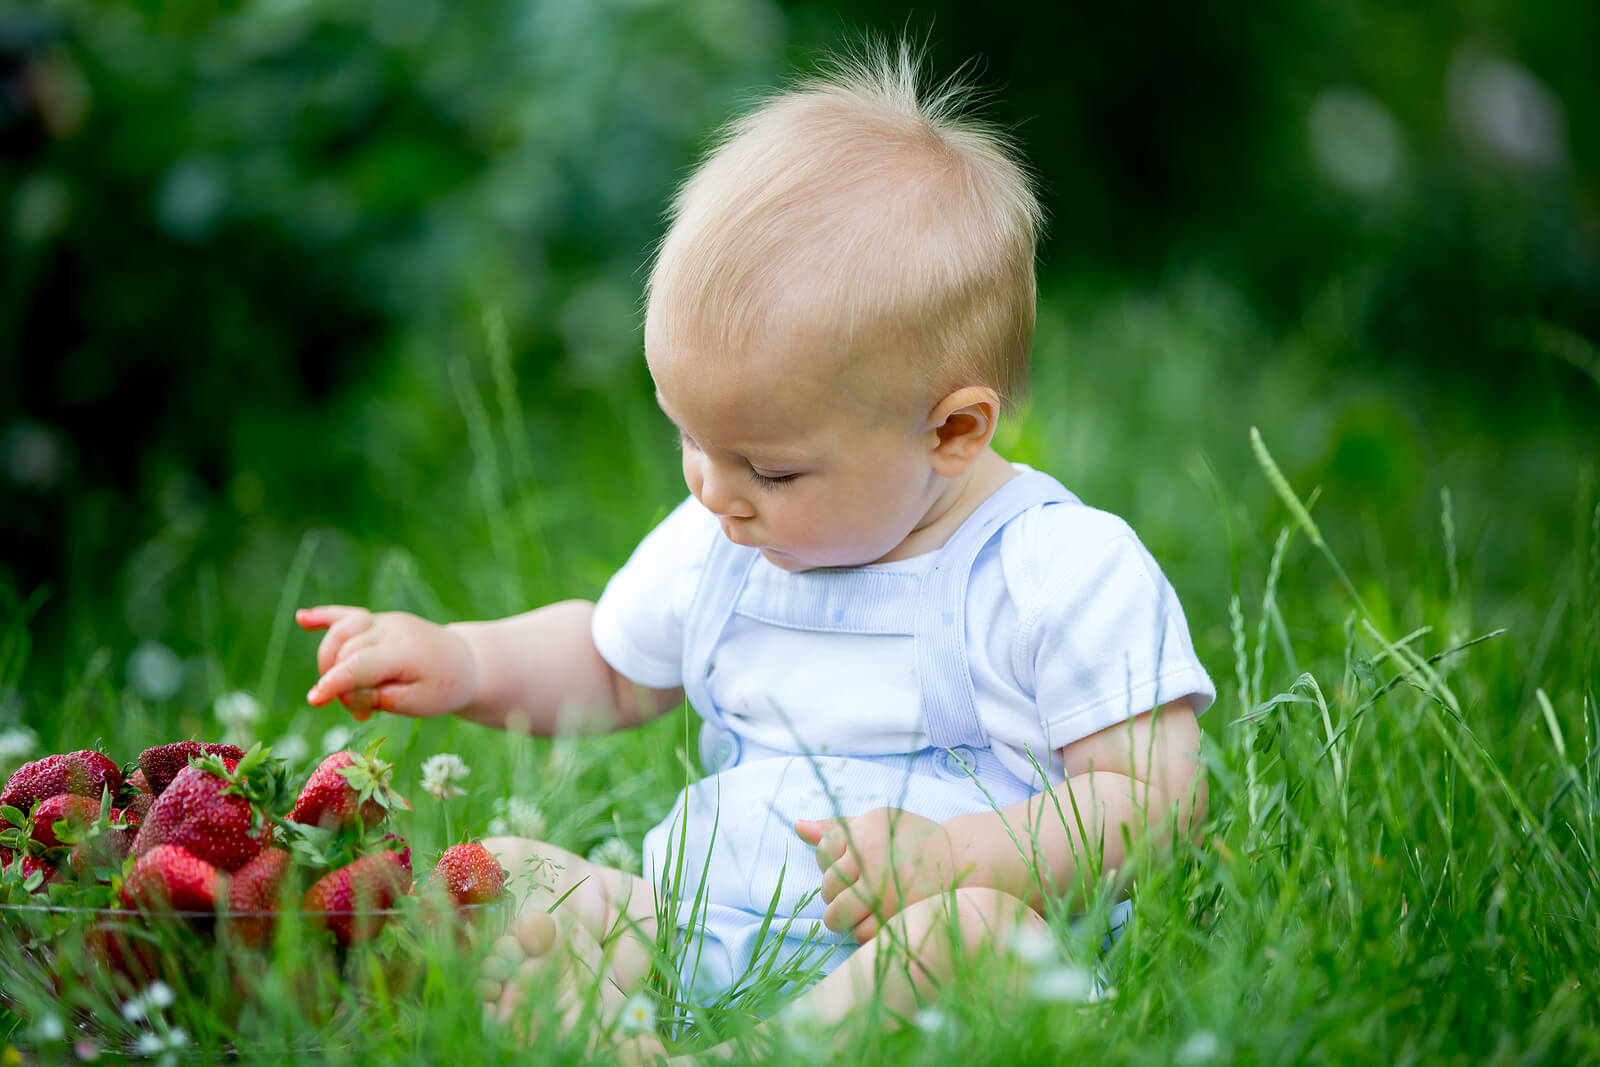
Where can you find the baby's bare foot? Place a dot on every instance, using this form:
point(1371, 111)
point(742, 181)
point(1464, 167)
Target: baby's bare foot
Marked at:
point(517, 955)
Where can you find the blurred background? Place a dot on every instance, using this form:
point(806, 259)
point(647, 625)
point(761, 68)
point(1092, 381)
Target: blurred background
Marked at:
point(340, 300)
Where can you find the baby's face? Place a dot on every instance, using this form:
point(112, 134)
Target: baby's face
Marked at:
point(792, 462)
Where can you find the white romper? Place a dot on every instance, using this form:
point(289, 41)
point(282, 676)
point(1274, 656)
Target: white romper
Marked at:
point(835, 691)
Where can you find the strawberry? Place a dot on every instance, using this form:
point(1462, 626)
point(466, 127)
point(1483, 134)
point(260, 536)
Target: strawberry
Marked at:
point(31, 863)
point(85, 773)
point(348, 789)
point(470, 874)
point(371, 883)
point(76, 811)
point(107, 848)
point(162, 763)
point(253, 892)
point(138, 781)
point(138, 805)
point(124, 952)
point(207, 810)
point(171, 878)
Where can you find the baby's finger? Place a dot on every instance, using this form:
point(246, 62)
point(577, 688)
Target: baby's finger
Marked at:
point(845, 913)
point(322, 616)
point(360, 703)
point(343, 631)
point(364, 670)
point(865, 930)
point(839, 877)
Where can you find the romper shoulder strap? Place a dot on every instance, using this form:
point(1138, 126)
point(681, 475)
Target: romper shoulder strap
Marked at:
point(727, 569)
point(944, 675)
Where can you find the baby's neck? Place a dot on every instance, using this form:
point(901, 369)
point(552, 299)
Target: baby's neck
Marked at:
point(959, 498)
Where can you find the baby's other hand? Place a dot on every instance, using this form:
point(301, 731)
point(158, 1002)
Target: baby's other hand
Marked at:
point(391, 661)
point(875, 864)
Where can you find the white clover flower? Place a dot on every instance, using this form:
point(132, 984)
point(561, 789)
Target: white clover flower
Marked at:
point(155, 671)
point(50, 1028)
point(1200, 1047)
point(1065, 984)
point(177, 1037)
point(16, 745)
point(149, 1044)
point(440, 774)
point(133, 1009)
point(615, 853)
point(519, 816)
point(238, 711)
point(929, 1020)
point(638, 1014)
point(291, 748)
point(159, 995)
point(1033, 945)
point(335, 739)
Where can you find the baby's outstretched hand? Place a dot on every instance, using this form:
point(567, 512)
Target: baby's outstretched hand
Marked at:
point(390, 661)
point(875, 864)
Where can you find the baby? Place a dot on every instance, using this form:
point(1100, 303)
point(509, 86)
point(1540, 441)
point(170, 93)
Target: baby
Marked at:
point(938, 690)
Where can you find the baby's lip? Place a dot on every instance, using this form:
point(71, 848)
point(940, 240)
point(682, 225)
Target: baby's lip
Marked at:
point(729, 530)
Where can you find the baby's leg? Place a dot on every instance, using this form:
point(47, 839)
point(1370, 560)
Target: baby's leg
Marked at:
point(915, 952)
point(603, 928)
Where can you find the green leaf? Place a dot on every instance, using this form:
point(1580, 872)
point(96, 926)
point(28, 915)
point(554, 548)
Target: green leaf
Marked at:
point(12, 815)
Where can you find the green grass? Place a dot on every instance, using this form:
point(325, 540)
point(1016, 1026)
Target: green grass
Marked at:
point(1399, 864)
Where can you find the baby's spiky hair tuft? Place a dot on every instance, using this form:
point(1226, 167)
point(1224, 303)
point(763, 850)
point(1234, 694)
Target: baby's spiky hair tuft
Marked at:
point(869, 206)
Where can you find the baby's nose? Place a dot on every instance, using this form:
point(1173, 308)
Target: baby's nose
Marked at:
point(720, 494)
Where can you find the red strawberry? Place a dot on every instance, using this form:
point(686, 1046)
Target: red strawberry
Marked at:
point(348, 789)
point(162, 763)
point(76, 811)
point(107, 848)
point(253, 891)
point(470, 874)
point(171, 878)
point(85, 773)
point(138, 806)
point(123, 951)
point(372, 883)
point(31, 863)
point(137, 780)
point(199, 813)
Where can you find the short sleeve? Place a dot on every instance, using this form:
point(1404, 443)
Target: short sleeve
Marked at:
point(638, 621)
point(1104, 638)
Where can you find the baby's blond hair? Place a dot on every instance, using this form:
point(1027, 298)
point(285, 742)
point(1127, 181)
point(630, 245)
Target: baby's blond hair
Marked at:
point(862, 209)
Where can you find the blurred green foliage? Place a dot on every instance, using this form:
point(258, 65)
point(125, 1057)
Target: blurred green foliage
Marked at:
point(259, 258)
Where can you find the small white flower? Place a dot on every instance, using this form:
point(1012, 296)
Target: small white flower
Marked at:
point(16, 745)
point(50, 1028)
point(614, 852)
point(1065, 984)
point(1032, 945)
point(440, 774)
point(237, 710)
point(335, 739)
point(133, 1009)
point(929, 1020)
point(291, 748)
point(149, 1044)
point(155, 671)
point(177, 1037)
point(638, 1014)
point(159, 994)
point(1200, 1047)
point(519, 816)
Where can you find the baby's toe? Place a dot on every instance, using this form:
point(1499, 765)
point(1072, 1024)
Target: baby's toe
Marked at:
point(535, 932)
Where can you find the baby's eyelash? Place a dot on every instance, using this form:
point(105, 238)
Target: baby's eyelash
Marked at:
point(771, 483)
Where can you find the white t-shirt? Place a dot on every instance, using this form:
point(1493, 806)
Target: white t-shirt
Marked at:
point(1071, 628)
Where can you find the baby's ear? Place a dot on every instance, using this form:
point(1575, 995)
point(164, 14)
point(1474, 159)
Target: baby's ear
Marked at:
point(963, 424)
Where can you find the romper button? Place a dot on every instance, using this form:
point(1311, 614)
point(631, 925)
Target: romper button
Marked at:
point(960, 762)
point(726, 754)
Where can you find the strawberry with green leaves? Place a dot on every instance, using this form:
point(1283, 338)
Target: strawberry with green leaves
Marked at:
point(163, 763)
point(85, 773)
point(171, 878)
point(74, 811)
point(215, 810)
point(470, 874)
point(104, 845)
point(348, 789)
point(343, 899)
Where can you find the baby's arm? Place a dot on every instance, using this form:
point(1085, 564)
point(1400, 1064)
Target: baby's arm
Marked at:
point(1142, 776)
point(538, 671)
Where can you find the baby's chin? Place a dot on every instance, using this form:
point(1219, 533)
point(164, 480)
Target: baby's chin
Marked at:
point(785, 562)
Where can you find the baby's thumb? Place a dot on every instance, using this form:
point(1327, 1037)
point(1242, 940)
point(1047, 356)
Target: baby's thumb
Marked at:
point(811, 830)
